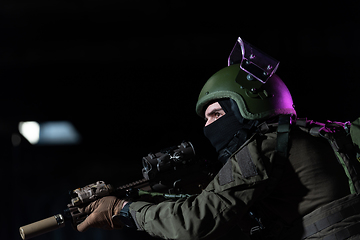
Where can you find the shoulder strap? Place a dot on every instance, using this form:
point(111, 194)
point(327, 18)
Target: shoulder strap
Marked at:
point(281, 151)
point(283, 131)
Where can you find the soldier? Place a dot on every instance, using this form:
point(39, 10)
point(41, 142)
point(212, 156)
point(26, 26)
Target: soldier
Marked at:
point(289, 184)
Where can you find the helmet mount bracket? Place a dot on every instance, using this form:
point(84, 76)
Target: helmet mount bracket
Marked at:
point(253, 61)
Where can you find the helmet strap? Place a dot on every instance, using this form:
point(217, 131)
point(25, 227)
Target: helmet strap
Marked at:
point(248, 127)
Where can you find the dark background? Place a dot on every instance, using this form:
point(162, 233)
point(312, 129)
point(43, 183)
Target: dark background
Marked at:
point(127, 75)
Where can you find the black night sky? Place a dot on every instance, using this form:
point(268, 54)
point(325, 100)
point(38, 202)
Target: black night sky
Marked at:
point(127, 75)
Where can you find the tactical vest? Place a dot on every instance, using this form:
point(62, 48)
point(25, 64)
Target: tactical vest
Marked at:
point(339, 219)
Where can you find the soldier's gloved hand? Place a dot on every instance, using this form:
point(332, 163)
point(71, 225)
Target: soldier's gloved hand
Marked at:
point(100, 214)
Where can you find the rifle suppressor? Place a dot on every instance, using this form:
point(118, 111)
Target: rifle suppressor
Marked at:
point(40, 227)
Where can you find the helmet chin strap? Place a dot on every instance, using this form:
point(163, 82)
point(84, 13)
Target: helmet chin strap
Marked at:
point(236, 111)
point(238, 140)
point(248, 127)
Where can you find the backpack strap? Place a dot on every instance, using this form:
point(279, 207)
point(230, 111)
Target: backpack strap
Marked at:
point(281, 152)
point(283, 131)
point(343, 148)
point(354, 130)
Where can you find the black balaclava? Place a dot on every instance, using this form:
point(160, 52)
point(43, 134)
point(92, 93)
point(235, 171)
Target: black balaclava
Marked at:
point(230, 131)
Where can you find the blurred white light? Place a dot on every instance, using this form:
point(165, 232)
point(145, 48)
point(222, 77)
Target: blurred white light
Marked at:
point(58, 132)
point(49, 133)
point(30, 130)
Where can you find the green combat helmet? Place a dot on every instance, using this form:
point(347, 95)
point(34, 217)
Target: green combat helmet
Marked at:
point(250, 81)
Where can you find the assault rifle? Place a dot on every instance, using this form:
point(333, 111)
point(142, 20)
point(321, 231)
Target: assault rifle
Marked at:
point(169, 174)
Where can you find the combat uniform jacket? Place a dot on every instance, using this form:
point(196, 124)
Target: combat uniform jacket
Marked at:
point(282, 193)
